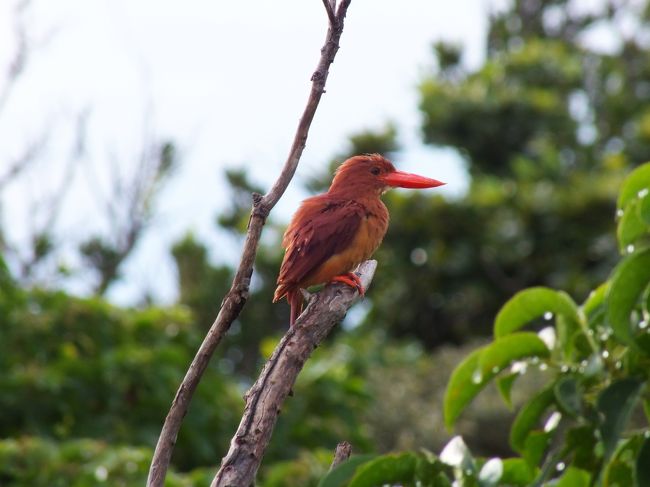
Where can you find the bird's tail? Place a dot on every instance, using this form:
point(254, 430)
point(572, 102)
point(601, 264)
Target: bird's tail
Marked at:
point(280, 292)
point(294, 298)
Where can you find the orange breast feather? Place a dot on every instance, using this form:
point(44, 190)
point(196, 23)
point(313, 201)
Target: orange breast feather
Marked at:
point(329, 237)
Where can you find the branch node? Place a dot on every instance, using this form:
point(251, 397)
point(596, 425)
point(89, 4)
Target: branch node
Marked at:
point(317, 76)
point(240, 291)
point(260, 208)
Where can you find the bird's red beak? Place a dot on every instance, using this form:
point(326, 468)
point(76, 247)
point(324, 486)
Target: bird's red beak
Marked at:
point(406, 180)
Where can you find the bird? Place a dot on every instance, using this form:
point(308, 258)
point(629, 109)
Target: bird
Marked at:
point(331, 233)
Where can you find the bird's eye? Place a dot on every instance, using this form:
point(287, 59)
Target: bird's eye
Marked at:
point(375, 171)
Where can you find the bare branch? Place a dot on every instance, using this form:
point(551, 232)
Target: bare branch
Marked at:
point(20, 165)
point(329, 7)
point(236, 298)
point(19, 60)
point(45, 208)
point(127, 204)
point(55, 202)
point(341, 454)
point(14, 70)
point(264, 400)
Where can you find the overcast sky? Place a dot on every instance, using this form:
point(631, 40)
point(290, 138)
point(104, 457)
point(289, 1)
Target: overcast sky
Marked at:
point(227, 82)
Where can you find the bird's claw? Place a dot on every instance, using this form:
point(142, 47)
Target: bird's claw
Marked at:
point(352, 280)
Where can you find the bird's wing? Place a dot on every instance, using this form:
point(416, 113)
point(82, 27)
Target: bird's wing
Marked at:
point(320, 229)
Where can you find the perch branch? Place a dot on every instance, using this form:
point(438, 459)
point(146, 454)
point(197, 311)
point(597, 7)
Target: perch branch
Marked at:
point(264, 400)
point(236, 297)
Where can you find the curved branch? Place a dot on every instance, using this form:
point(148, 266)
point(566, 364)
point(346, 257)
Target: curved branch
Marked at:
point(238, 294)
point(264, 400)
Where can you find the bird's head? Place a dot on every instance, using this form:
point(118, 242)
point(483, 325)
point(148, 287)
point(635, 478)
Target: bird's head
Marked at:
point(372, 173)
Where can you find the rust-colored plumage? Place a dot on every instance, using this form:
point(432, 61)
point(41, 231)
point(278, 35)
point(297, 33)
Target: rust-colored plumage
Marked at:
point(332, 233)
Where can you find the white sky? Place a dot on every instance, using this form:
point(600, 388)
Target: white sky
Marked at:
point(227, 82)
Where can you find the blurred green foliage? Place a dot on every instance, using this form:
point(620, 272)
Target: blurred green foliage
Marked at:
point(86, 386)
point(589, 421)
point(76, 368)
point(548, 126)
point(82, 463)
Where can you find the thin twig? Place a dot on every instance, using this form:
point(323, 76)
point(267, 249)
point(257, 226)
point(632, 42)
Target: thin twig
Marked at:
point(22, 163)
point(341, 454)
point(238, 294)
point(264, 400)
point(21, 55)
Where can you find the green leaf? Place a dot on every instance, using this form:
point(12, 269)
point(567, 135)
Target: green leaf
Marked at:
point(636, 181)
point(629, 280)
point(387, 469)
point(504, 384)
point(431, 471)
point(594, 308)
point(502, 352)
point(535, 447)
point(340, 475)
point(644, 209)
point(574, 477)
point(528, 418)
point(630, 227)
point(643, 464)
point(567, 334)
point(441, 480)
point(635, 205)
point(462, 387)
point(596, 299)
point(643, 342)
point(569, 396)
point(581, 441)
point(476, 371)
point(532, 303)
point(517, 472)
point(616, 403)
point(620, 469)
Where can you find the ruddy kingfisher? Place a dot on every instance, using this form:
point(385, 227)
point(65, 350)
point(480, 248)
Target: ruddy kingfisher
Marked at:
point(333, 232)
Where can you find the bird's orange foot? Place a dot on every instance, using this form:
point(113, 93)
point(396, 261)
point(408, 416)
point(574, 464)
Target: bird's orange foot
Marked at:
point(352, 280)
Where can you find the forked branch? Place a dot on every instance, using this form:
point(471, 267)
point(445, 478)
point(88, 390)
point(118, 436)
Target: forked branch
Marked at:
point(238, 294)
